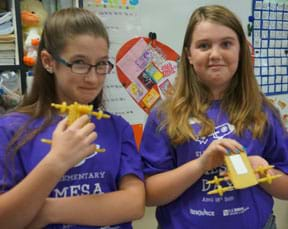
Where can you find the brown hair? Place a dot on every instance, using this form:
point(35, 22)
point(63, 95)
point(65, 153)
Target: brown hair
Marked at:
point(242, 101)
point(58, 29)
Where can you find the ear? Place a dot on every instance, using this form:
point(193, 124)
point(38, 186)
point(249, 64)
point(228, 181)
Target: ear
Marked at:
point(188, 55)
point(47, 61)
point(190, 60)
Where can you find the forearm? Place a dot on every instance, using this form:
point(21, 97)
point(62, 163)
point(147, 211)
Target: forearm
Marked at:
point(279, 187)
point(165, 187)
point(98, 210)
point(20, 205)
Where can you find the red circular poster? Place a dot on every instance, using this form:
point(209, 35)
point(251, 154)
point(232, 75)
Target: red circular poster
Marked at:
point(146, 68)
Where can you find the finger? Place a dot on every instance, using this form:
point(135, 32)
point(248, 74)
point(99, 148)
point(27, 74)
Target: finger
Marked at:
point(223, 173)
point(80, 122)
point(89, 150)
point(62, 125)
point(218, 146)
point(91, 137)
point(87, 129)
point(221, 149)
point(272, 172)
point(232, 146)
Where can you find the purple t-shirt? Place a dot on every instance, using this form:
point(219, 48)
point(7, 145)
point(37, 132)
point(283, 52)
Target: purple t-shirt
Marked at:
point(247, 208)
point(97, 174)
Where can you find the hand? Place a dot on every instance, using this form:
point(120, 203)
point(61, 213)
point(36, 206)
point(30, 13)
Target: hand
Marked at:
point(213, 156)
point(257, 161)
point(71, 144)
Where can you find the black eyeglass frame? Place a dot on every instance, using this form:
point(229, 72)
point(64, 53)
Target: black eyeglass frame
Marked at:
point(96, 66)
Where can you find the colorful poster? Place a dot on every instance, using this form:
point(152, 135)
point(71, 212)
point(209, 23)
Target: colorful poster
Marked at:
point(146, 68)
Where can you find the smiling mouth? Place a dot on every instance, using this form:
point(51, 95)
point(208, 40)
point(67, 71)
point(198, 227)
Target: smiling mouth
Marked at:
point(216, 66)
point(88, 89)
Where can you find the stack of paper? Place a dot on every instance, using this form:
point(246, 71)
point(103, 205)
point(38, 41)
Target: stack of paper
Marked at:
point(7, 39)
point(10, 90)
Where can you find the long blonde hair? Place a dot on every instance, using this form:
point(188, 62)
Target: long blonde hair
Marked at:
point(243, 101)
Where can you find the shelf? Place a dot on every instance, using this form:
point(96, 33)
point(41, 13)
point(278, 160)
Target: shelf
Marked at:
point(6, 102)
point(10, 67)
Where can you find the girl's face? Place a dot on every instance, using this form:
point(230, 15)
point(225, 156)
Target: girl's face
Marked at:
point(214, 54)
point(74, 87)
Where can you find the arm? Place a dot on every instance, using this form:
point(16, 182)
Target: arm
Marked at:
point(276, 153)
point(278, 187)
point(116, 207)
point(165, 187)
point(19, 205)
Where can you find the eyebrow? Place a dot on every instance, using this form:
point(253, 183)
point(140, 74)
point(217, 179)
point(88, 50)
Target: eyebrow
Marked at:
point(221, 39)
point(86, 57)
point(230, 38)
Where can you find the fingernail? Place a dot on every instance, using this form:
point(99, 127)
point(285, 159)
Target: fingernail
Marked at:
point(237, 151)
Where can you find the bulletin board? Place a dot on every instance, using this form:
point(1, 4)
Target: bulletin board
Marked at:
point(262, 20)
point(269, 23)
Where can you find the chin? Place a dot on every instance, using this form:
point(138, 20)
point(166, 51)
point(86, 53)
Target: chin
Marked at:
point(85, 100)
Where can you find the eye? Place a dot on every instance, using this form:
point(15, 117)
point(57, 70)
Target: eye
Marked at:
point(226, 44)
point(203, 46)
point(78, 62)
point(103, 63)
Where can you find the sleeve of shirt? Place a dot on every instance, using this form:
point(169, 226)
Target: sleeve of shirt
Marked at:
point(130, 157)
point(276, 144)
point(155, 150)
point(11, 169)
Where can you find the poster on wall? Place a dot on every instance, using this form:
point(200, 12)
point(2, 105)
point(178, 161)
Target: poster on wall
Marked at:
point(270, 42)
point(144, 69)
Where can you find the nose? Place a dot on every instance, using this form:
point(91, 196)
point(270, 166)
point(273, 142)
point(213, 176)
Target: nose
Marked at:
point(215, 53)
point(92, 75)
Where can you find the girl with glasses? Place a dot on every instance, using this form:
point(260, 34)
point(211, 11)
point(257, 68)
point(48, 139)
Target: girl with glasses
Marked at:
point(68, 183)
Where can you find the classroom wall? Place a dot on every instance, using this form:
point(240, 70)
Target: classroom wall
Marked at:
point(168, 19)
point(170, 22)
point(281, 212)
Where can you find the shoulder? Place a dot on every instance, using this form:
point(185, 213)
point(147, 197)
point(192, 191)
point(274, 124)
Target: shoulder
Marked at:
point(117, 119)
point(156, 116)
point(274, 120)
point(13, 119)
point(11, 123)
point(272, 113)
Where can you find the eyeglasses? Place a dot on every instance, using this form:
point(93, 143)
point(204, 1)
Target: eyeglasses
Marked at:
point(102, 67)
